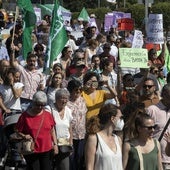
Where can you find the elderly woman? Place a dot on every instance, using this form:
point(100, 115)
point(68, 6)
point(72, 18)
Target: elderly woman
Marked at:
point(63, 117)
point(94, 97)
point(38, 124)
point(77, 104)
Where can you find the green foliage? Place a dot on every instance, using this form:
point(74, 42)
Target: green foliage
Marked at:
point(163, 8)
point(99, 12)
point(138, 14)
point(137, 10)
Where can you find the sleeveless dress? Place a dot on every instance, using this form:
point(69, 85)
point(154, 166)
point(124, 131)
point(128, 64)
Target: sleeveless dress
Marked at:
point(105, 158)
point(150, 159)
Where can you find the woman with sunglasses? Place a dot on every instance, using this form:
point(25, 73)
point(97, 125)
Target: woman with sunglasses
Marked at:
point(38, 124)
point(94, 97)
point(78, 106)
point(142, 151)
point(103, 150)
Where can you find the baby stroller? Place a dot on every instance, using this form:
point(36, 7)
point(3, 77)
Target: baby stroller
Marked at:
point(12, 158)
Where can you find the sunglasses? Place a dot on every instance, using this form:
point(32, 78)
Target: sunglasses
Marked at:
point(148, 86)
point(150, 127)
point(39, 104)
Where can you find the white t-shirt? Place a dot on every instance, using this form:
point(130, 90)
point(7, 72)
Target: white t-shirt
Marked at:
point(8, 97)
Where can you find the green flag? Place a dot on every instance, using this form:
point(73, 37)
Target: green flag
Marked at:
point(58, 36)
point(84, 15)
point(29, 23)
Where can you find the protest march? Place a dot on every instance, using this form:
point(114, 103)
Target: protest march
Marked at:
point(79, 93)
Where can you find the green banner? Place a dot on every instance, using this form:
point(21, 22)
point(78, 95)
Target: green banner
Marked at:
point(133, 57)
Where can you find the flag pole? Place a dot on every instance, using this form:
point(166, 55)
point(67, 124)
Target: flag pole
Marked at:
point(16, 16)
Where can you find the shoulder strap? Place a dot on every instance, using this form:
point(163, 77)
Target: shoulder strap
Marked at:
point(53, 118)
point(97, 141)
point(42, 120)
point(156, 143)
point(163, 131)
point(140, 157)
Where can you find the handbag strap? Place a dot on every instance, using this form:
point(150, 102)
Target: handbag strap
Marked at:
point(165, 127)
point(53, 118)
point(140, 157)
point(42, 120)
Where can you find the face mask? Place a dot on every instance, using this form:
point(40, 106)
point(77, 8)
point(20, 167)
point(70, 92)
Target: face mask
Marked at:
point(119, 125)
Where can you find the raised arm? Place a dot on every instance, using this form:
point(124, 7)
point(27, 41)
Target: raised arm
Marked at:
point(13, 61)
point(113, 92)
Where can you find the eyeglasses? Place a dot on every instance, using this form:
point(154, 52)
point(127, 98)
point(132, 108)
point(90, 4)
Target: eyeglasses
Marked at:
point(150, 127)
point(80, 59)
point(148, 86)
point(39, 104)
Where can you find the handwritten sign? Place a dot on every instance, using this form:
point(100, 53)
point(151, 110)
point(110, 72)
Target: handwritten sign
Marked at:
point(155, 29)
point(125, 24)
point(133, 57)
point(137, 39)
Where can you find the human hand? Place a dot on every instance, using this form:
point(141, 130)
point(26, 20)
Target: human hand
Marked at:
point(7, 111)
point(28, 137)
point(167, 137)
point(55, 148)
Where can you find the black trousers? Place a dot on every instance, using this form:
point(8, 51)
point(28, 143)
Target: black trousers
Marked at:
point(39, 161)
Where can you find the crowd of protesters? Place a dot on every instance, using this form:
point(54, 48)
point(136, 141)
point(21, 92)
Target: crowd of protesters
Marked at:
point(111, 116)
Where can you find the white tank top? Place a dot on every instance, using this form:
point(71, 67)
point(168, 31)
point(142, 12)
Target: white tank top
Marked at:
point(105, 158)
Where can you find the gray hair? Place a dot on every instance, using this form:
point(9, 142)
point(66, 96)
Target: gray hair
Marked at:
point(62, 93)
point(40, 96)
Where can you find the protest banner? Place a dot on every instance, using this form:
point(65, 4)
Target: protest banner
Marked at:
point(155, 29)
point(116, 16)
point(127, 15)
point(92, 23)
point(149, 46)
point(38, 14)
point(108, 22)
point(133, 57)
point(137, 39)
point(125, 24)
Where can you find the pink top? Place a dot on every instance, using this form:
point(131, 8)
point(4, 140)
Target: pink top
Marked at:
point(30, 124)
point(160, 115)
point(31, 81)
